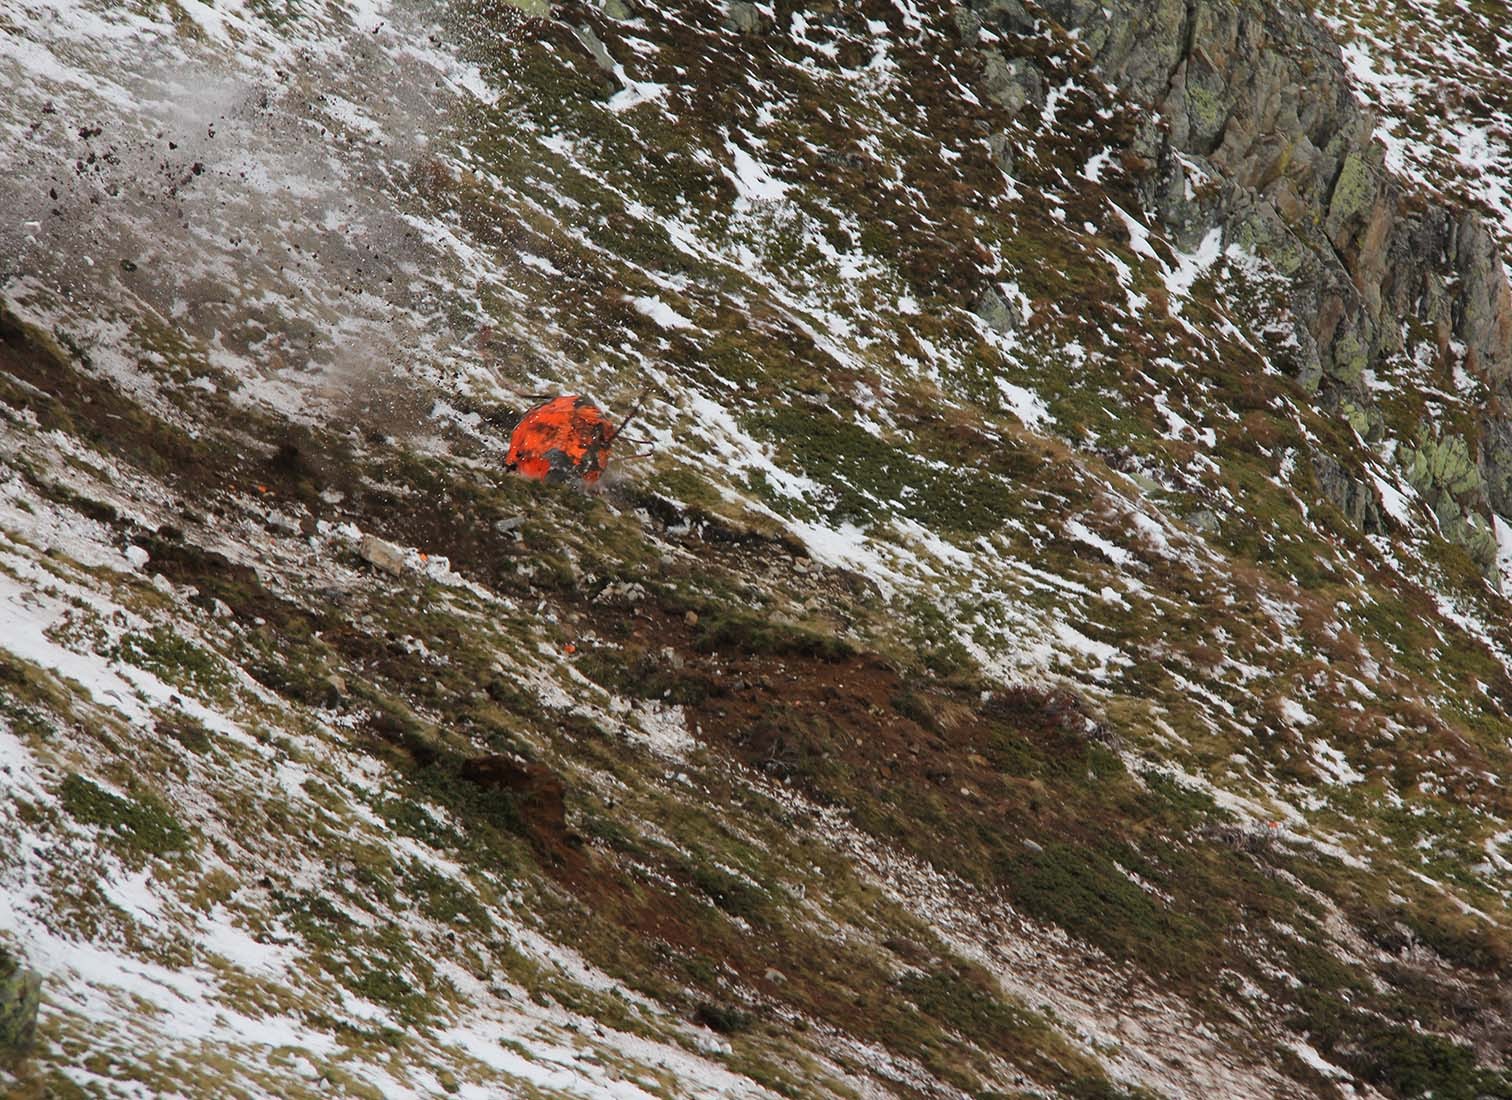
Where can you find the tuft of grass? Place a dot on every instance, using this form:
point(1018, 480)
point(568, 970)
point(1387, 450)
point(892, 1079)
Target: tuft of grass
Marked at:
point(729, 629)
point(735, 896)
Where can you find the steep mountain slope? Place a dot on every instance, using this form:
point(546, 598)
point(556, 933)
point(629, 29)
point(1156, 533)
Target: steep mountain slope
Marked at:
point(1053, 646)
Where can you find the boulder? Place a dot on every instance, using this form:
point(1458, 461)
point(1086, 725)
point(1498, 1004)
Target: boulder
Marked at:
point(997, 312)
point(382, 554)
point(1001, 147)
point(1348, 494)
point(744, 18)
point(20, 1000)
point(1015, 83)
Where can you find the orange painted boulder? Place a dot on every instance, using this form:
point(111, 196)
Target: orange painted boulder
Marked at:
point(566, 439)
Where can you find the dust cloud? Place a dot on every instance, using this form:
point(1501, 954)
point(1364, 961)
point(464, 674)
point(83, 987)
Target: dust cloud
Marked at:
point(257, 207)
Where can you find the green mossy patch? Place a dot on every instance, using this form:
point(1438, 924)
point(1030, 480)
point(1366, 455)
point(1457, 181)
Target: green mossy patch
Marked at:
point(1083, 891)
point(141, 825)
point(750, 634)
point(170, 656)
point(866, 479)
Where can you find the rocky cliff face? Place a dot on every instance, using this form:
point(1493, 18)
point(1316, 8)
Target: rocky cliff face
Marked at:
point(1251, 125)
point(1051, 645)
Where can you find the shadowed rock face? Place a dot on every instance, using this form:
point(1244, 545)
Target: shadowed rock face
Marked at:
point(1255, 96)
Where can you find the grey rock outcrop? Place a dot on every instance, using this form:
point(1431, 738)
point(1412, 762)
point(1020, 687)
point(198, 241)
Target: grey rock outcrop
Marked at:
point(1259, 97)
point(1255, 98)
point(20, 998)
point(997, 312)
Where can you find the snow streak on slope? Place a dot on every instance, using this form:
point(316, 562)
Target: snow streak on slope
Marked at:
point(181, 967)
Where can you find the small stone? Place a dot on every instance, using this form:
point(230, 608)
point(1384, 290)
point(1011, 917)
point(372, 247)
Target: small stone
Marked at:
point(617, 10)
point(775, 976)
point(1010, 15)
point(282, 524)
point(449, 1081)
point(1205, 520)
point(511, 523)
point(382, 554)
point(136, 556)
point(691, 618)
point(162, 584)
point(1001, 147)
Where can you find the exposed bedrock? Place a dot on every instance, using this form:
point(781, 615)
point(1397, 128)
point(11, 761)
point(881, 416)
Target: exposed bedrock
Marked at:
point(1252, 127)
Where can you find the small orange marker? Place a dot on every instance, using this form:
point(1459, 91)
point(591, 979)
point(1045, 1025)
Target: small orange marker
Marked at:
point(262, 488)
point(569, 649)
point(424, 556)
